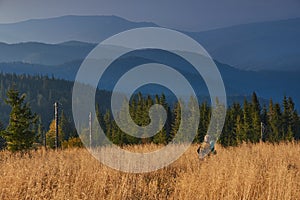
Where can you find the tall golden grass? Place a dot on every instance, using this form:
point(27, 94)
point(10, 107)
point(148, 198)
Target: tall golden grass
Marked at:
point(260, 171)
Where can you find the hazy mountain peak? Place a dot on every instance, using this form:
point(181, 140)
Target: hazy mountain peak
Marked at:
point(92, 29)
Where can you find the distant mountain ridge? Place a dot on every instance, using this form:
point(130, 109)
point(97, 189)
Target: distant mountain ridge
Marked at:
point(257, 46)
point(44, 54)
point(260, 46)
point(91, 29)
point(267, 84)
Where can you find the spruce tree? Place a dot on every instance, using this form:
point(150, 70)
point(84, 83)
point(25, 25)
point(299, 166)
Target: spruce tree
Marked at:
point(256, 118)
point(19, 133)
point(229, 136)
point(39, 138)
point(275, 122)
point(205, 113)
point(107, 128)
point(66, 127)
point(227, 132)
point(216, 123)
point(167, 126)
point(240, 134)
point(193, 114)
point(294, 127)
point(286, 119)
point(175, 122)
point(161, 136)
point(2, 141)
point(265, 121)
point(97, 138)
point(247, 122)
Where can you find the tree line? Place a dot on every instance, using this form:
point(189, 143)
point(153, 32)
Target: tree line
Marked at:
point(245, 122)
point(252, 123)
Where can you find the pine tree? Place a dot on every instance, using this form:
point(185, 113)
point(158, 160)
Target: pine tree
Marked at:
point(39, 131)
point(19, 133)
point(2, 141)
point(66, 127)
point(286, 117)
point(97, 138)
point(237, 113)
point(229, 136)
point(161, 136)
point(275, 122)
point(141, 115)
point(240, 134)
point(167, 126)
point(125, 135)
point(247, 122)
point(205, 112)
point(225, 137)
point(192, 123)
point(175, 122)
point(132, 109)
point(256, 120)
point(265, 121)
point(217, 113)
point(107, 128)
point(293, 120)
point(118, 137)
point(269, 133)
point(289, 136)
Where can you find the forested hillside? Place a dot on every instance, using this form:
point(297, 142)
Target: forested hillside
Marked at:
point(41, 92)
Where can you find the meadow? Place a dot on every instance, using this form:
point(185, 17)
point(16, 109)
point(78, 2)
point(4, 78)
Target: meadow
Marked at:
point(250, 171)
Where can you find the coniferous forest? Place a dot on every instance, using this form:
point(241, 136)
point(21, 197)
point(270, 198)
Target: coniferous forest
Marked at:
point(249, 121)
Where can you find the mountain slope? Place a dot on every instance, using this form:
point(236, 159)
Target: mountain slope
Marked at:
point(268, 84)
point(45, 54)
point(258, 46)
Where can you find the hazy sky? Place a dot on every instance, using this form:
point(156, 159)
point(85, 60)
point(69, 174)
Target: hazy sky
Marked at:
point(192, 15)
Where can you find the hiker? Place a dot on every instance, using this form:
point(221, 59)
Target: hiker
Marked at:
point(206, 147)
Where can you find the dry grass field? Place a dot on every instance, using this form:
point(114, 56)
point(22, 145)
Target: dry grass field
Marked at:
point(261, 171)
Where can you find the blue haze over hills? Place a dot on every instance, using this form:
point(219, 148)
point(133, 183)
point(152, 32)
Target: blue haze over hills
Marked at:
point(261, 57)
